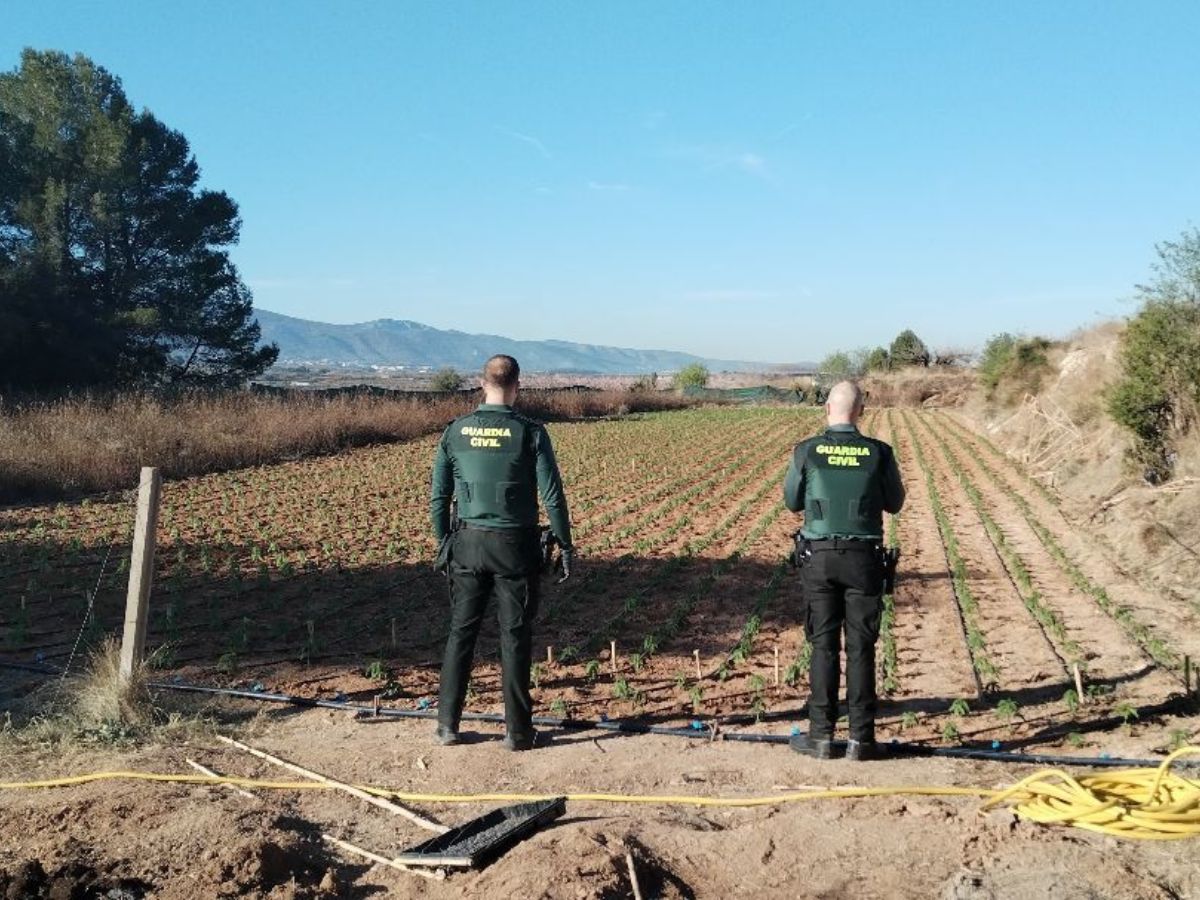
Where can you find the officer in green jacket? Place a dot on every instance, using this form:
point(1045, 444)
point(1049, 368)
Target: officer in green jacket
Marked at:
point(843, 482)
point(495, 462)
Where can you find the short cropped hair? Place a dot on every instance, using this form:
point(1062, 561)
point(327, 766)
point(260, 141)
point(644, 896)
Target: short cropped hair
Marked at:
point(502, 371)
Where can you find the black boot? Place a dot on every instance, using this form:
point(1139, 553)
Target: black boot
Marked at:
point(816, 747)
point(446, 735)
point(862, 751)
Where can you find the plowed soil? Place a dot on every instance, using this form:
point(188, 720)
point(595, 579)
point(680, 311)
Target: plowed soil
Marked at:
point(313, 578)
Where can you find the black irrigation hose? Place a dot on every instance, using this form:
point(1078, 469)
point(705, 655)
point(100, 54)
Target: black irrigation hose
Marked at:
point(896, 749)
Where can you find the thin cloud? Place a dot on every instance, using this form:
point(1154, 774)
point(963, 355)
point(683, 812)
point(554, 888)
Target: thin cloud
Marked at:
point(529, 139)
point(712, 158)
point(752, 163)
point(607, 186)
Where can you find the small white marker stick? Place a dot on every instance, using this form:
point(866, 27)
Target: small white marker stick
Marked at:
point(633, 879)
point(1079, 685)
point(613, 647)
point(549, 656)
point(696, 655)
point(415, 818)
point(211, 774)
point(776, 667)
point(437, 875)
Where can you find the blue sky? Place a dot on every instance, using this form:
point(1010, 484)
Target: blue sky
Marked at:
point(743, 180)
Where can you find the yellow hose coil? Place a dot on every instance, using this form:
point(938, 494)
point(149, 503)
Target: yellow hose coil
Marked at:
point(1146, 804)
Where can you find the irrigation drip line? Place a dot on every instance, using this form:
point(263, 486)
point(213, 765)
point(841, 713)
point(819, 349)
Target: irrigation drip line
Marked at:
point(896, 749)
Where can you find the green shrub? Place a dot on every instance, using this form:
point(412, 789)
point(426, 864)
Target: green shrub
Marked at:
point(446, 380)
point(693, 375)
point(1158, 392)
point(838, 366)
point(878, 360)
point(908, 350)
point(1011, 367)
point(1159, 388)
point(996, 354)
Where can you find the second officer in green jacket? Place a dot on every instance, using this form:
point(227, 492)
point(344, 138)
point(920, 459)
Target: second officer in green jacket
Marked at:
point(495, 462)
point(844, 482)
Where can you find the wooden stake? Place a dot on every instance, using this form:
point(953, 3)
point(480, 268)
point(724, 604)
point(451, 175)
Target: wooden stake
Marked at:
point(141, 572)
point(549, 656)
point(613, 647)
point(211, 774)
point(415, 818)
point(1079, 684)
point(696, 654)
point(633, 879)
point(437, 875)
point(776, 667)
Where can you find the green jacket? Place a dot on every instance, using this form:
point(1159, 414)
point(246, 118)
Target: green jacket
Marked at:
point(843, 482)
point(495, 462)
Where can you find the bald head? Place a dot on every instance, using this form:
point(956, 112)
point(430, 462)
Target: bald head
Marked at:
point(844, 404)
point(501, 378)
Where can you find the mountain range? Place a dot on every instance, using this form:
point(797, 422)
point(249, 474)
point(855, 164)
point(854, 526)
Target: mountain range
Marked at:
point(397, 342)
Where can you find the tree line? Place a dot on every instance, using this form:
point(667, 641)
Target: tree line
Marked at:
point(905, 351)
point(114, 261)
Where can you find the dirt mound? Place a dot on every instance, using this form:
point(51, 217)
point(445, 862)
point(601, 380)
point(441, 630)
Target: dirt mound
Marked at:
point(583, 862)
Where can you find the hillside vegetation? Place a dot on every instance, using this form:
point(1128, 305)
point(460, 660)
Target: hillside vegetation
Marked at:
point(1064, 434)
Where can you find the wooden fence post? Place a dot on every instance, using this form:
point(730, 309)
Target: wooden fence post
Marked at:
point(141, 572)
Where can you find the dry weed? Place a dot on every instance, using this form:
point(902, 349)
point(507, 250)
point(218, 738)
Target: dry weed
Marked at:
point(84, 445)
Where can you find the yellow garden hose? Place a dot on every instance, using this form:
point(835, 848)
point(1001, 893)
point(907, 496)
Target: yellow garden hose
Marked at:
point(1146, 804)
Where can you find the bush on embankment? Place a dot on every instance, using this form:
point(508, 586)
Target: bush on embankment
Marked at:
point(1157, 397)
point(88, 444)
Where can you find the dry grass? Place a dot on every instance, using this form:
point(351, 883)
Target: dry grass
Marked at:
point(100, 696)
point(86, 445)
point(98, 706)
point(920, 387)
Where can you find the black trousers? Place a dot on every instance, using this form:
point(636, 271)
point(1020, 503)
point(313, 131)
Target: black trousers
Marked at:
point(484, 564)
point(843, 588)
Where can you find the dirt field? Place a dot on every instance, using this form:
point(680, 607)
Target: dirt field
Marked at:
point(312, 578)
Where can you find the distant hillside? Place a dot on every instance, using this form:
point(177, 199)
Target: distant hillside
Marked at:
point(392, 342)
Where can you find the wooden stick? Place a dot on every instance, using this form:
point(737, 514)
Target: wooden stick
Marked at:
point(696, 654)
point(776, 667)
point(437, 875)
point(415, 818)
point(633, 879)
point(613, 645)
point(141, 572)
point(211, 774)
point(1079, 684)
point(549, 656)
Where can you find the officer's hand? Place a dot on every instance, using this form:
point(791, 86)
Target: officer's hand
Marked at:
point(566, 561)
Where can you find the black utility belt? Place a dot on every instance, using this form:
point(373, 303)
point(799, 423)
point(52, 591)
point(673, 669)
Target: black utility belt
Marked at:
point(860, 545)
point(499, 529)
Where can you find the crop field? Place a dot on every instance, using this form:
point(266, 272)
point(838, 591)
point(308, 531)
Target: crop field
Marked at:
point(314, 577)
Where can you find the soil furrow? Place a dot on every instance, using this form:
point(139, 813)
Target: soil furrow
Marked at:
point(933, 658)
point(1110, 656)
point(1016, 644)
point(1171, 621)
